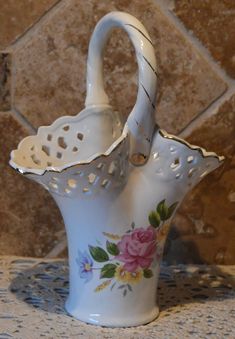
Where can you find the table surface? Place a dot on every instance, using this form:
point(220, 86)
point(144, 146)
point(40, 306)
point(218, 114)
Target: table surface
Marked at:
point(195, 302)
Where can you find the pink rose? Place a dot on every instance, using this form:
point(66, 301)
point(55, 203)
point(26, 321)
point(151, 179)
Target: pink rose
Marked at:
point(137, 248)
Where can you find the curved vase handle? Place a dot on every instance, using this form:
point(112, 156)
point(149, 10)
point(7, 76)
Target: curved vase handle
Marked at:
point(141, 121)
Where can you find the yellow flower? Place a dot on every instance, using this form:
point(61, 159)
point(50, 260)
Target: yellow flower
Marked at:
point(127, 277)
point(121, 274)
point(135, 277)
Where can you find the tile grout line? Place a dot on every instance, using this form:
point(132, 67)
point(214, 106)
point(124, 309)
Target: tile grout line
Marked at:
point(193, 40)
point(207, 113)
point(58, 248)
point(19, 116)
point(31, 31)
point(23, 121)
point(210, 110)
point(205, 54)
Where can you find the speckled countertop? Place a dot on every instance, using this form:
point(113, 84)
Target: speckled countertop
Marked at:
point(195, 302)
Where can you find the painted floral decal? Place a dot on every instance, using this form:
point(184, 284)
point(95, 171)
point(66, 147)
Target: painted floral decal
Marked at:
point(127, 259)
point(136, 249)
point(85, 264)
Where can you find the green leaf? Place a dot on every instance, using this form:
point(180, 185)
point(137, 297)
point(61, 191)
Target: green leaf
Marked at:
point(154, 219)
point(171, 209)
point(108, 271)
point(98, 254)
point(112, 248)
point(162, 210)
point(148, 273)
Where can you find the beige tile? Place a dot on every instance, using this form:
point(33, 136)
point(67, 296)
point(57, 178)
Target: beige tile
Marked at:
point(5, 82)
point(29, 219)
point(16, 17)
point(51, 66)
point(212, 21)
point(209, 234)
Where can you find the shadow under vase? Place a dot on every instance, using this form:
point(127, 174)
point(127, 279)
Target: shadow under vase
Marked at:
point(45, 285)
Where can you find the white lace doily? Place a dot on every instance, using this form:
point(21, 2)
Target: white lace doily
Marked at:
point(195, 302)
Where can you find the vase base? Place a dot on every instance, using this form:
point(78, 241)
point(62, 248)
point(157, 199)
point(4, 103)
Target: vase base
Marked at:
point(113, 321)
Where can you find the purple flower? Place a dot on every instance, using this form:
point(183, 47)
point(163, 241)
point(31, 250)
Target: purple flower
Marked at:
point(85, 265)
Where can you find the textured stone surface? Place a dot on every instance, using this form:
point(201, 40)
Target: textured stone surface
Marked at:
point(29, 220)
point(5, 81)
point(17, 16)
point(195, 302)
point(51, 66)
point(204, 229)
point(212, 21)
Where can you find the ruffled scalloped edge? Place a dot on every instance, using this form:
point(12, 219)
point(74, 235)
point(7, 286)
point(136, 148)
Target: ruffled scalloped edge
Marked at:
point(59, 169)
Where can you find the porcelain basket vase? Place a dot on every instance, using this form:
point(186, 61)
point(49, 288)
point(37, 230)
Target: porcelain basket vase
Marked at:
point(117, 186)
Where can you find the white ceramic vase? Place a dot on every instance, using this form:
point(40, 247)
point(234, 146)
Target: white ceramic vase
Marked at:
point(117, 186)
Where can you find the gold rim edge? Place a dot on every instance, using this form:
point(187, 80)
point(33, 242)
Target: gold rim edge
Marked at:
point(204, 153)
point(113, 147)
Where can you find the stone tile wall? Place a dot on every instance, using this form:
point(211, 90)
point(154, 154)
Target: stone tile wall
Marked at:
point(43, 49)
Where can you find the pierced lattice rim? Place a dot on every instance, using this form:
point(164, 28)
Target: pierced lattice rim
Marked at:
point(41, 171)
point(204, 153)
point(25, 171)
